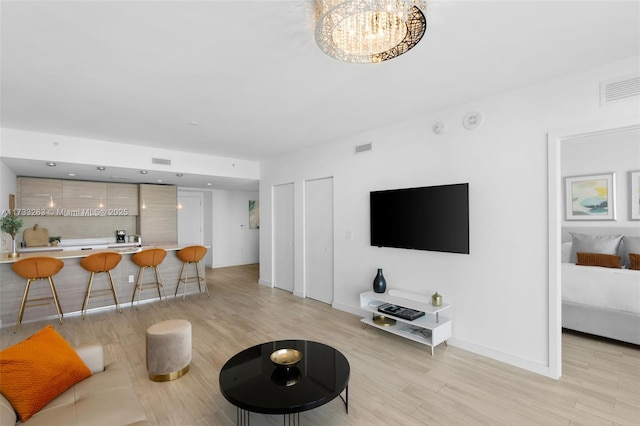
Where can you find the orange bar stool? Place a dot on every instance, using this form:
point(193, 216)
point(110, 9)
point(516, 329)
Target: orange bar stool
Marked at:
point(99, 263)
point(191, 255)
point(38, 268)
point(149, 258)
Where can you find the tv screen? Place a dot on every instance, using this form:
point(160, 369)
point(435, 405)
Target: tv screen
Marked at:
point(434, 218)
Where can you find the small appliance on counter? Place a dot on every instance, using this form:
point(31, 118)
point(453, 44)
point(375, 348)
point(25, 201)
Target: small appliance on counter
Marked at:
point(121, 235)
point(136, 239)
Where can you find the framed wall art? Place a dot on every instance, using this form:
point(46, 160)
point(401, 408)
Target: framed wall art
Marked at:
point(591, 197)
point(635, 195)
point(254, 214)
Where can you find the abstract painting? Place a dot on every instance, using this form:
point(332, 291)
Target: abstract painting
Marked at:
point(254, 214)
point(591, 197)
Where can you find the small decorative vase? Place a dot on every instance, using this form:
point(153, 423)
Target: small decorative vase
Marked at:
point(436, 299)
point(379, 283)
point(14, 252)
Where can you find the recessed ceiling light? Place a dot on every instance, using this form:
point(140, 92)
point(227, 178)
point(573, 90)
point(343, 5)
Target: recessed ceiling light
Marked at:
point(194, 123)
point(51, 164)
point(208, 183)
point(143, 172)
point(101, 168)
point(159, 181)
point(71, 174)
point(179, 174)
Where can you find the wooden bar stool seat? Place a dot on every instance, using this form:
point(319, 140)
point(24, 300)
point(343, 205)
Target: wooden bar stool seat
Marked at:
point(38, 268)
point(99, 263)
point(191, 255)
point(149, 258)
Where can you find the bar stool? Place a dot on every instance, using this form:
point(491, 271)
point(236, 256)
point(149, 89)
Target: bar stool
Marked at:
point(38, 268)
point(191, 255)
point(149, 258)
point(99, 263)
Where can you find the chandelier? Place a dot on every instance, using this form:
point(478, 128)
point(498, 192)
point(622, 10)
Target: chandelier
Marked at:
point(368, 31)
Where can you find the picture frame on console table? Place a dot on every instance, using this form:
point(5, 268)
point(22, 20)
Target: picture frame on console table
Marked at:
point(590, 197)
point(635, 195)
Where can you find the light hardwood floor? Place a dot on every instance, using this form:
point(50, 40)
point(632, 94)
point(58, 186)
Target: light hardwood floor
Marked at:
point(393, 381)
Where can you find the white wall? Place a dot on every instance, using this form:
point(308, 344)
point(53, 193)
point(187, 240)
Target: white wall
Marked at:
point(617, 152)
point(233, 243)
point(500, 292)
point(7, 186)
point(226, 227)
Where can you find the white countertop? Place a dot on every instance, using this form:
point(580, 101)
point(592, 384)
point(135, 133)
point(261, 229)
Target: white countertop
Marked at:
point(78, 253)
point(79, 244)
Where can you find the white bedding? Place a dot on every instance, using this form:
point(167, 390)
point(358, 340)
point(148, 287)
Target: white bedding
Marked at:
point(609, 288)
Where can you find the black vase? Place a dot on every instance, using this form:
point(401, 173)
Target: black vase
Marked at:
point(379, 283)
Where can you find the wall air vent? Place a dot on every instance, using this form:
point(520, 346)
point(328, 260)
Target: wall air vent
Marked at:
point(161, 161)
point(619, 89)
point(364, 148)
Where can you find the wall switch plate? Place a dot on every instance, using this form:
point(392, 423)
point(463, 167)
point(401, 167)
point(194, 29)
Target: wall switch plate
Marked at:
point(130, 278)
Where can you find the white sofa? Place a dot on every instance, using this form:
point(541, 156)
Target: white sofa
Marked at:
point(106, 398)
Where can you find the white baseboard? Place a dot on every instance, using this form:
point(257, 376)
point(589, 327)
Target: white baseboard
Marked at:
point(543, 370)
point(501, 356)
point(348, 308)
point(265, 283)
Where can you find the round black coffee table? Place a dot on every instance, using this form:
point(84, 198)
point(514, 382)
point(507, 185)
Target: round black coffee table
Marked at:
point(251, 382)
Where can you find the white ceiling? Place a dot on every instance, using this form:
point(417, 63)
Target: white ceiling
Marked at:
point(251, 75)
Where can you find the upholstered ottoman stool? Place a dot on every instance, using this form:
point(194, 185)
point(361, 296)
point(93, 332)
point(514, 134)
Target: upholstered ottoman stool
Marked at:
point(168, 350)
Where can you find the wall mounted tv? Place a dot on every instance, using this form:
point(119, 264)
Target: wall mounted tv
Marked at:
point(434, 218)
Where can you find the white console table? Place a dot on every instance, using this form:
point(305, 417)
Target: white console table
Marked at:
point(430, 329)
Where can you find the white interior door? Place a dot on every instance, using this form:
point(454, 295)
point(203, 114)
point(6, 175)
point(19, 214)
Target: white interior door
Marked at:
point(319, 239)
point(190, 215)
point(283, 249)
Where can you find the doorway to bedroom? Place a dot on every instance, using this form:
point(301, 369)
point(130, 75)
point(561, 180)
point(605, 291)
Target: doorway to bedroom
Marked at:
point(610, 152)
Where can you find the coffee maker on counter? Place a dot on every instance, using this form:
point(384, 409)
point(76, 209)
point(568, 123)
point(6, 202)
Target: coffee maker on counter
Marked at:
point(121, 235)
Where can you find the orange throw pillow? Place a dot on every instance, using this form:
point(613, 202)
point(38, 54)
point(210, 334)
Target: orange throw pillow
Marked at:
point(35, 371)
point(599, 259)
point(635, 261)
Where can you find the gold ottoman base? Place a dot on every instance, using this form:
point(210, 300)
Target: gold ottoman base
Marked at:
point(169, 376)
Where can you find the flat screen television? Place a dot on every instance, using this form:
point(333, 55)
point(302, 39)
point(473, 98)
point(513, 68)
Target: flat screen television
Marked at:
point(434, 218)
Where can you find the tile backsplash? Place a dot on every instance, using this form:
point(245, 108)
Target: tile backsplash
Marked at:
point(81, 227)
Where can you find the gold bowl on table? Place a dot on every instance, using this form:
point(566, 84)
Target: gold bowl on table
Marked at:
point(286, 358)
point(383, 321)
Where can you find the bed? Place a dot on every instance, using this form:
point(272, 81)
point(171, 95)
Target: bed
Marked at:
point(600, 300)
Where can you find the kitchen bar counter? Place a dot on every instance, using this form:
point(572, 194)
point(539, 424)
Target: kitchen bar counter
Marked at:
point(59, 253)
point(71, 283)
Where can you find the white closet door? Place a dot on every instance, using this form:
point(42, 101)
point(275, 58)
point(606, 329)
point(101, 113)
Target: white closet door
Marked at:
point(190, 216)
point(283, 248)
point(319, 239)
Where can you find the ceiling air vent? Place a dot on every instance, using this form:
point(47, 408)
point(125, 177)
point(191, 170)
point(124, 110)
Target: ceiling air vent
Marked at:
point(363, 148)
point(619, 89)
point(161, 161)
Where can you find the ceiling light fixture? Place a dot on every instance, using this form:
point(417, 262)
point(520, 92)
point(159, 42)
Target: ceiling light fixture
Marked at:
point(101, 168)
point(51, 164)
point(143, 172)
point(369, 31)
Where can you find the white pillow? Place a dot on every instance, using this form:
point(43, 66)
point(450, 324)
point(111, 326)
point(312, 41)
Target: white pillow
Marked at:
point(586, 243)
point(629, 245)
